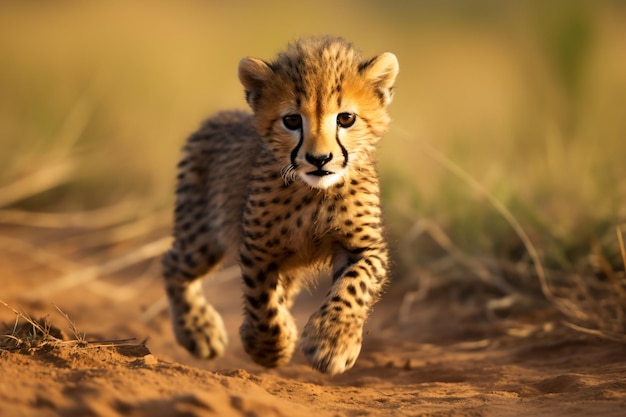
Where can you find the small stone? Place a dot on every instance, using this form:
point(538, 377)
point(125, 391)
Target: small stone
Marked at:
point(150, 359)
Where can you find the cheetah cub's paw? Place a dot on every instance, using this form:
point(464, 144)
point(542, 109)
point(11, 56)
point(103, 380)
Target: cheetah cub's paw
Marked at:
point(202, 333)
point(197, 325)
point(270, 344)
point(332, 343)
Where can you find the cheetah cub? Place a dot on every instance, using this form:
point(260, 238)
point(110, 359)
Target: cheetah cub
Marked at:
point(291, 188)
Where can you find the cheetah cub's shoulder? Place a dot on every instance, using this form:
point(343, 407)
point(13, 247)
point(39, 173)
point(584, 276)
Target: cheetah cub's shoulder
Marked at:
point(289, 188)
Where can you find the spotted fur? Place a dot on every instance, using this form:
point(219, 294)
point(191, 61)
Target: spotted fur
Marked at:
point(291, 188)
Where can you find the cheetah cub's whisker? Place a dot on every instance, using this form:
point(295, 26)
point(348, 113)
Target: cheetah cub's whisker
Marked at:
point(292, 187)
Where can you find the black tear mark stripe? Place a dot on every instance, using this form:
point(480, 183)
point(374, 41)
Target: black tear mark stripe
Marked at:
point(344, 151)
point(294, 152)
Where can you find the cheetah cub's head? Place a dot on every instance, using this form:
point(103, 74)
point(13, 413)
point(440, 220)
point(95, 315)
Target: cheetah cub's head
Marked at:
point(320, 107)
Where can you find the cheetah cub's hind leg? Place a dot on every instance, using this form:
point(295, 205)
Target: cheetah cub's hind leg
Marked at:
point(197, 325)
point(196, 251)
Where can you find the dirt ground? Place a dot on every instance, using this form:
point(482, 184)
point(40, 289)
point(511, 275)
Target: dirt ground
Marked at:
point(437, 358)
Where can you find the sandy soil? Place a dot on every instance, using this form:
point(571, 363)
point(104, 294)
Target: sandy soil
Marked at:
point(443, 359)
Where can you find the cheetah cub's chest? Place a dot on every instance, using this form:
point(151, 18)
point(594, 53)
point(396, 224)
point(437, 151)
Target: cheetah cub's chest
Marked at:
point(293, 221)
point(294, 184)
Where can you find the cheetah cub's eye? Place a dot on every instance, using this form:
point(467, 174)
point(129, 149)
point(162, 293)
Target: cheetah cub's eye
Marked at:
point(346, 120)
point(292, 121)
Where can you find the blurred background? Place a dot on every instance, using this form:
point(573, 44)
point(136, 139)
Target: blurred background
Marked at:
point(521, 103)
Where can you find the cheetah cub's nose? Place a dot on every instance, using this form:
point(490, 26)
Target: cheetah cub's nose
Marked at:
point(319, 161)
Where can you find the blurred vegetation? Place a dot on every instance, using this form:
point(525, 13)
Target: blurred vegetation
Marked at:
point(528, 98)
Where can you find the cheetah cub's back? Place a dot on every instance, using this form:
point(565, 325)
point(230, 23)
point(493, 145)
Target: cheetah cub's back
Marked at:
point(290, 188)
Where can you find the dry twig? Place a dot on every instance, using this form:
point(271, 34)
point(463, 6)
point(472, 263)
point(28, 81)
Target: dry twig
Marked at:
point(81, 337)
point(620, 239)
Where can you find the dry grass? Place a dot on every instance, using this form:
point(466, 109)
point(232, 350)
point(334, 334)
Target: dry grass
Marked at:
point(28, 334)
point(588, 305)
point(597, 307)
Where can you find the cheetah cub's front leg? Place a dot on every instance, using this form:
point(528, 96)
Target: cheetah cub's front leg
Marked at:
point(332, 338)
point(268, 332)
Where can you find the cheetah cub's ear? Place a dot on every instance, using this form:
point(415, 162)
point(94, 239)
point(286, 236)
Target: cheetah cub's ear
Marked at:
point(382, 71)
point(253, 73)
